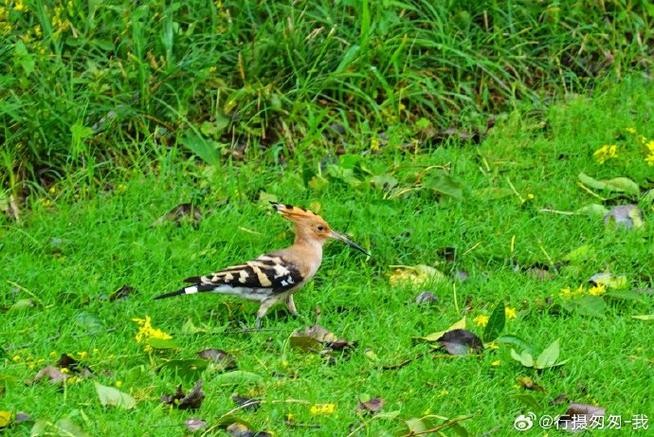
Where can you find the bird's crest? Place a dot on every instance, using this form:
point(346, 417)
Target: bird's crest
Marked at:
point(293, 212)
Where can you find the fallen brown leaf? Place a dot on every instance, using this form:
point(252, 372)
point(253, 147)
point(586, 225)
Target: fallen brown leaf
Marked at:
point(194, 425)
point(238, 429)
point(245, 403)
point(184, 212)
point(223, 359)
point(173, 399)
point(53, 374)
point(316, 338)
point(426, 297)
point(529, 384)
point(191, 401)
point(460, 342)
point(121, 293)
point(373, 406)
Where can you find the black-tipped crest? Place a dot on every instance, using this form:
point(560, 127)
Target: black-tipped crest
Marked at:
point(290, 211)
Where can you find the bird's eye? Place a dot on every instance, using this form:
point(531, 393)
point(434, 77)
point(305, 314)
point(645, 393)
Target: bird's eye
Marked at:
point(321, 228)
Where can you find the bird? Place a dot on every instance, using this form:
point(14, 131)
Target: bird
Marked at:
point(274, 276)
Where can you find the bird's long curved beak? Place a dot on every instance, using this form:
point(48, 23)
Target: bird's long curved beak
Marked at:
point(338, 236)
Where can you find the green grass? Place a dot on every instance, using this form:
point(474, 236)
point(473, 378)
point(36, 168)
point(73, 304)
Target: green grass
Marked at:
point(69, 254)
point(104, 85)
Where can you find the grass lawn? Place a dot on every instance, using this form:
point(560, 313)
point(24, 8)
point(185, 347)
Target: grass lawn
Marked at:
point(511, 238)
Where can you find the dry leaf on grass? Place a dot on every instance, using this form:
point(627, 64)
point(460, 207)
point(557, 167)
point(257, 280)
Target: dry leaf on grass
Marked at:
point(191, 401)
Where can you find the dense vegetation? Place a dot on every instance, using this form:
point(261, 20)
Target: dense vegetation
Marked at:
point(496, 158)
point(103, 85)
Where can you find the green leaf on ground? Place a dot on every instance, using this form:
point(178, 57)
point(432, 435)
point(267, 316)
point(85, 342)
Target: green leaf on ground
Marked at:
point(495, 323)
point(514, 340)
point(207, 150)
point(110, 396)
point(64, 427)
point(161, 343)
point(189, 368)
point(549, 356)
point(237, 377)
point(593, 210)
point(593, 306)
point(416, 275)
point(443, 183)
point(621, 184)
point(523, 358)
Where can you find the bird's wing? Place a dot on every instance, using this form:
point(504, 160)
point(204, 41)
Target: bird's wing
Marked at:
point(258, 279)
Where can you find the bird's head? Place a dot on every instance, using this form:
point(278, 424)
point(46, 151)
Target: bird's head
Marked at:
point(312, 226)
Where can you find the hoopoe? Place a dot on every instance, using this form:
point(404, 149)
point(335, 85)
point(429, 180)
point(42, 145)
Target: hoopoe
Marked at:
point(275, 276)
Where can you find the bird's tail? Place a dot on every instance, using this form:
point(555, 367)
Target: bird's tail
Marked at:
point(186, 290)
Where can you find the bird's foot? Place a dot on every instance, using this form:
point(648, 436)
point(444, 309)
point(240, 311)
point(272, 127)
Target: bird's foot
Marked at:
point(245, 328)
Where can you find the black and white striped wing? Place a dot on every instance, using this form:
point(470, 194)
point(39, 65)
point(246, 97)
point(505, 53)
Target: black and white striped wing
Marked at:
point(259, 279)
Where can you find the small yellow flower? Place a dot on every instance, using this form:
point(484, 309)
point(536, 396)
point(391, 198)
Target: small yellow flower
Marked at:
point(530, 196)
point(318, 409)
point(72, 379)
point(492, 345)
point(20, 6)
point(565, 292)
point(481, 320)
point(650, 150)
point(146, 331)
point(568, 293)
point(64, 370)
point(82, 355)
point(606, 152)
point(597, 290)
point(631, 130)
point(17, 358)
point(510, 313)
point(374, 144)
point(53, 354)
point(496, 363)
point(118, 384)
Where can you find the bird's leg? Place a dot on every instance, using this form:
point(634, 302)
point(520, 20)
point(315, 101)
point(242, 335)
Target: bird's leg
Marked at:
point(290, 304)
point(263, 309)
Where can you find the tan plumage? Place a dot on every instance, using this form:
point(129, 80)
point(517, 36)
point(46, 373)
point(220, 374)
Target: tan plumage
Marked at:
point(275, 276)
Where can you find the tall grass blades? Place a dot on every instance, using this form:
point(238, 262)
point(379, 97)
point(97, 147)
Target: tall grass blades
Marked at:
point(121, 81)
